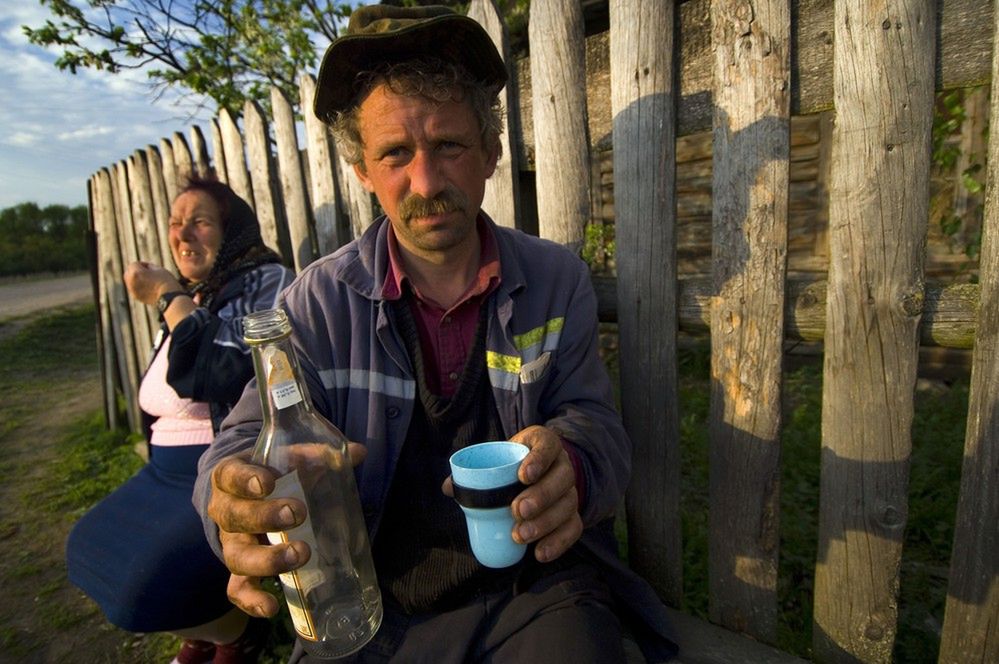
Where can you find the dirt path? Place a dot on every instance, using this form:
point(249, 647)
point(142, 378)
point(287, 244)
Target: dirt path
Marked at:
point(27, 296)
point(43, 618)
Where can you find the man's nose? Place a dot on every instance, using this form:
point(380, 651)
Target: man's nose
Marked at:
point(425, 176)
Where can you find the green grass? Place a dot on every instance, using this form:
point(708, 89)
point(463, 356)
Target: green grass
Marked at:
point(938, 439)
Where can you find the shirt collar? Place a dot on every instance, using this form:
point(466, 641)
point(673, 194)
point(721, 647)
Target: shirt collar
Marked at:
point(486, 280)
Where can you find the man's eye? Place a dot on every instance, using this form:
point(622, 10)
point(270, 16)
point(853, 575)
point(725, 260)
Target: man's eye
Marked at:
point(450, 148)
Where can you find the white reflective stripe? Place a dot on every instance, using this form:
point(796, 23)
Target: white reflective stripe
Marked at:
point(504, 380)
point(362, 379)
point(533, 352)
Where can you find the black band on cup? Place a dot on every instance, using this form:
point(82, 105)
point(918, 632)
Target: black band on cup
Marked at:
point(501, 496)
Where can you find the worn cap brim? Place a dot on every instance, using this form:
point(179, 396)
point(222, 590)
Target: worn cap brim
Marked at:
point(450, 37)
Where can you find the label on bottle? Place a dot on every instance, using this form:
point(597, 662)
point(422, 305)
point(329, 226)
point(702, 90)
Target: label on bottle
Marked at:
point(281, 381)
point(298, 582)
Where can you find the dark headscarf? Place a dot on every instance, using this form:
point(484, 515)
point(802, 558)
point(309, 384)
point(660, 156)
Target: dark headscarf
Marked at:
point(242, 246)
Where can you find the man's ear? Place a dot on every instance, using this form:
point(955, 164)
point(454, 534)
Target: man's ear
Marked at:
point(362, 175)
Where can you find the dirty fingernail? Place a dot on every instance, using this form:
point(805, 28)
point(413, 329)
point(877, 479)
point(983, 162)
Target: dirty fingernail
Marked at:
point(526, 508)
point(287, 516)
point(291, 556)
point(255, 487)
point(526, 532)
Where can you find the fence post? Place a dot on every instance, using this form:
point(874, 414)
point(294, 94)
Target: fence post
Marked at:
point(218, 151)
point(199, 151)
point(971, 620)
point(752, 93)
point(296, 202)
point(161, 204)
point(643, 100)
point(183, 164)
point(258, 148)
point(117, 299)
point(502, 198)
point(561, 135)
point(235, 158)
point(879, 197)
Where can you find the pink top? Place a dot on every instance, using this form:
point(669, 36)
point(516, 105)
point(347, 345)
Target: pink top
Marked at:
point(181, 421)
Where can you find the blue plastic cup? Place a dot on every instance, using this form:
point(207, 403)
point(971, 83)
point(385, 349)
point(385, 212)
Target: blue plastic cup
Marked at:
point(485, 483)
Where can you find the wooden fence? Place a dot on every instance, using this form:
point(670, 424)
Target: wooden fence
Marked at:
point(741, 68)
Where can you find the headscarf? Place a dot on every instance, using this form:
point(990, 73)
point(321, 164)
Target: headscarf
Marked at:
point(242, 246)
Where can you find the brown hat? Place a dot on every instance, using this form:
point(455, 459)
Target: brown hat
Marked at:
point(380, 33)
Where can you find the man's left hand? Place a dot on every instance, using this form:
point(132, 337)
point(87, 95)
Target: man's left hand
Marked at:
point(547, 511)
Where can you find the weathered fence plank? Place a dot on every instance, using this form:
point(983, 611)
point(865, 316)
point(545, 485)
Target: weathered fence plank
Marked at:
point(235, 158)
point(111, 276)
point(752, 86)
point(161, 205)
point(642, 96)
point(502, 198)
point(183, 161)
point(558, 75)
point(141, 334)
point(199, 150)
point(293, 191)
point(218, 151)
point(262, 175)
point(971, 619)
point(169, 169)
point(324, 175)
point(878, 214)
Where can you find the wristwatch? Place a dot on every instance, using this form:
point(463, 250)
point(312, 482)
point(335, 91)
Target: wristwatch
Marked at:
point(165, 299)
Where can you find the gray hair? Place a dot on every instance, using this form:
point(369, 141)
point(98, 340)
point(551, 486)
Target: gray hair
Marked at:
point(432, 78)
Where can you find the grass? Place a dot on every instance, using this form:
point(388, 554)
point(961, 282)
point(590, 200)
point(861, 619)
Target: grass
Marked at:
point(87, 463)
point(938, 439)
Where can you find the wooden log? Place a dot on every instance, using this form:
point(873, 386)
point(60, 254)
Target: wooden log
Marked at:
point(141, 337)
point(183, 162)
point(971, 619)
point(950, 311)
point(113, 369)
point(752, 127)
point(218, 151)
point(645, 232)
point(262, 175)
point(235, 158)
point(330, 232)
point(169, 169)
point(960, 23)
point(296, 203)
point(502, 198)
point(147, 238)
point(199, 151)
point(878, 210)
point(161, 205)
point(560, 132)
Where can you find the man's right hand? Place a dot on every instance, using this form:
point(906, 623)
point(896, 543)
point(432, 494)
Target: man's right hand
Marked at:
point(243, 513)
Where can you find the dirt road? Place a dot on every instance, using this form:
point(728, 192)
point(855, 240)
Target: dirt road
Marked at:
point(22, 297)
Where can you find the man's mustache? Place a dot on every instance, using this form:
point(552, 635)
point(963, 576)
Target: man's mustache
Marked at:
point(451, 199)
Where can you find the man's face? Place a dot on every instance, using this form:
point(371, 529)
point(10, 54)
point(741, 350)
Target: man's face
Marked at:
point(426, 163)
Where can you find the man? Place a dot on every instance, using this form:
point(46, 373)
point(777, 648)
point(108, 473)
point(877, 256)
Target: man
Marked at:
point(434, 330)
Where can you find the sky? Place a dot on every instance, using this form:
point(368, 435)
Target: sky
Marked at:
point(57, 129)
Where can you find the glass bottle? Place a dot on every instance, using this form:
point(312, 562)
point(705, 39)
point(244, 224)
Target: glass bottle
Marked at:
point(333, 599)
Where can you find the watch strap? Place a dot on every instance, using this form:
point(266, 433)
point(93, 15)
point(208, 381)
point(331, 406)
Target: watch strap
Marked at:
point(164, 300)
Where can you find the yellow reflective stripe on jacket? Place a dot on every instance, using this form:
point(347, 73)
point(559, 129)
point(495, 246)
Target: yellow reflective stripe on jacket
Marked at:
point(530, 344)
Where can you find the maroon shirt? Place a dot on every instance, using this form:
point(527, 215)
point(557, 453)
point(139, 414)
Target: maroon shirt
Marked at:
point(447, 335)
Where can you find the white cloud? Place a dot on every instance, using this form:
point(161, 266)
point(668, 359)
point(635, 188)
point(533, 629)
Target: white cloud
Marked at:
point(83, 133)
point(21, 139)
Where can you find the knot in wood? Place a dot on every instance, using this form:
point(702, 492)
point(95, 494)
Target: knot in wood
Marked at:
point(912, 303)
point(886, 25)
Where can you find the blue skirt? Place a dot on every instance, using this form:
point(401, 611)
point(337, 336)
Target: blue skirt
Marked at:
point(141, 553)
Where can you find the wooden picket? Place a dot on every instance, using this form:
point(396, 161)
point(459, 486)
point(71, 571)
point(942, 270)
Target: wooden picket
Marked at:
point(743, 70)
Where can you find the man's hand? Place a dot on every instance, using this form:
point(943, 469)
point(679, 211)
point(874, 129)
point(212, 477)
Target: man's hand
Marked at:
point(243, 513)
point(547, 510)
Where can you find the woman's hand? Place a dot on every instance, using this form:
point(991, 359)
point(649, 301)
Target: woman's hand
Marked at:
point(146, 282)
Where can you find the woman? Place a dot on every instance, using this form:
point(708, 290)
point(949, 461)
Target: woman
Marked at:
point(141, 553)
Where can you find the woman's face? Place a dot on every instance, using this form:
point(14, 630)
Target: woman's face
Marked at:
point(195, 234)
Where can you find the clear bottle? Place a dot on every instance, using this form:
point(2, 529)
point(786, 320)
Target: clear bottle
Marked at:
point(333, 599)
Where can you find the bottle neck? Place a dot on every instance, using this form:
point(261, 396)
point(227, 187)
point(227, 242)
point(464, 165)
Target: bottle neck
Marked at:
point(283, 392)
